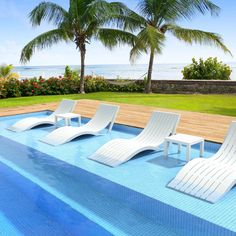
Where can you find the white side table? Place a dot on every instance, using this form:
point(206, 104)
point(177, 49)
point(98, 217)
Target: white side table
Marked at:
point(186, 140)
point(67, 117)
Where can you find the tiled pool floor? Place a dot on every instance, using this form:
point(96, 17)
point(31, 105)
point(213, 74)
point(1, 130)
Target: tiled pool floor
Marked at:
point(148, 173)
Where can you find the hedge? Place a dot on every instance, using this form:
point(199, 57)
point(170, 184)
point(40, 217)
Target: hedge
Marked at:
point(63, 85)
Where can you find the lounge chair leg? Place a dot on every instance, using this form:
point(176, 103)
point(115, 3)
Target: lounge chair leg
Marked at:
point(179, 148)
point(66, 122)
point(166, 147)
point(188, 153)
point(56, 122)
point(110, 127)
point(201, 148)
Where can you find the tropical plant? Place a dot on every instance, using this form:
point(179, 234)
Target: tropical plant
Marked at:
point(210, 69)
point(157, 17)
point(6, 72)
point(70, 73)
point(62, 85)
point(3, 91)
point(85, 19)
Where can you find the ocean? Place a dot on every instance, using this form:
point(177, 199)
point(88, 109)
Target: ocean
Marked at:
point(160, 71)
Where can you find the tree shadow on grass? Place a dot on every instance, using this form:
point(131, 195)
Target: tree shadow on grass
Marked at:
point(225, 111)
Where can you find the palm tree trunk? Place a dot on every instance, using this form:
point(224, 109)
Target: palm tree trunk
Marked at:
point(82, 59)
point(148, 88)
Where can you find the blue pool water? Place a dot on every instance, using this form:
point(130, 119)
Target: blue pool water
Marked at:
point(58, 191)
point(27, 209)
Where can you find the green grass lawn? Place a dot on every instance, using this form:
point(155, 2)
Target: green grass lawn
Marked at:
point(216, 104)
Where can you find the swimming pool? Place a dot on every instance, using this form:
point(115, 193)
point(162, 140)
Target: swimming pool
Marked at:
point(60, 190)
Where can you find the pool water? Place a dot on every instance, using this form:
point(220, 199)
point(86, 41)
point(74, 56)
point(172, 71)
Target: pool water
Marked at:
point(27, 209)
point(58, 191)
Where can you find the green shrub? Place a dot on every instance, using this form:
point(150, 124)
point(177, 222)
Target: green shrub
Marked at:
point(51, 86)
point(71, 74)
point(210, 69)
point(3, 91)
point(64, 85)
point(127, 86)
point(99, 84)
point(12, 87)
point(69, 84)
point(95, 84)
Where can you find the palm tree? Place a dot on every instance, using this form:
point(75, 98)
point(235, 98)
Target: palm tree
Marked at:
point(85, 19)
point(157, 17)
point(6, 72)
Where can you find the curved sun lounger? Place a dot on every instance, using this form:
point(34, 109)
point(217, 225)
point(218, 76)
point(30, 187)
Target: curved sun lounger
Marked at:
point(65, 106)
point(209, 179)
point(104, 116)
point(118, 151)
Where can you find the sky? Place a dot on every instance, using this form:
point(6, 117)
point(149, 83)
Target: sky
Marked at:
point(16, 31)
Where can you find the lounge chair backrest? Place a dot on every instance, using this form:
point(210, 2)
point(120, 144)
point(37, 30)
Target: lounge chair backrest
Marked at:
point(209, 179)
point(159, 126)
point(227, 152)
point(104, 116)
point(65, 106)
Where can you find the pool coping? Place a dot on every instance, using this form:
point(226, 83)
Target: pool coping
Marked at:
point(212, 127)
point(117, 124)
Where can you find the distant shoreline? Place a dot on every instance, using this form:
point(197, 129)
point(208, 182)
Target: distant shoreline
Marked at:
point(169, 71)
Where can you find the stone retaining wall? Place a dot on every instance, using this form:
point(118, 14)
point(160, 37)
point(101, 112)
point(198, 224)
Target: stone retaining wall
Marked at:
point(193, 86)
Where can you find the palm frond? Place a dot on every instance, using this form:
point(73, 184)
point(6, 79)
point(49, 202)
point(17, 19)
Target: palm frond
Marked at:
point(113, 37)
point(150, 38)
point(95, 13)
point(202, 6)
point(43, 41)
point(106, 14)
point(158, 11)
point(47, 11)
point(197, 36)
point(153, 37)
point(137, 50)
point(128, 20)
point(85, 15)
point(5, 70)
point(145, 8)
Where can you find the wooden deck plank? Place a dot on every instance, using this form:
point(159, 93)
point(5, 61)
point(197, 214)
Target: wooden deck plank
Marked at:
point(211, 127)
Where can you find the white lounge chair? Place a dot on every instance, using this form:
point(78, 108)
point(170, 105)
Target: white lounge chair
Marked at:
point(209, 179)
point(104, 116)
point(118, 151)
point(28, 123)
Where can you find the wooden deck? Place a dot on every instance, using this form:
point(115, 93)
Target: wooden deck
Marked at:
point(211, 127)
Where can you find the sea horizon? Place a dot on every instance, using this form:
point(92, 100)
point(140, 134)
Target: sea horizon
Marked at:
point(161, 71)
